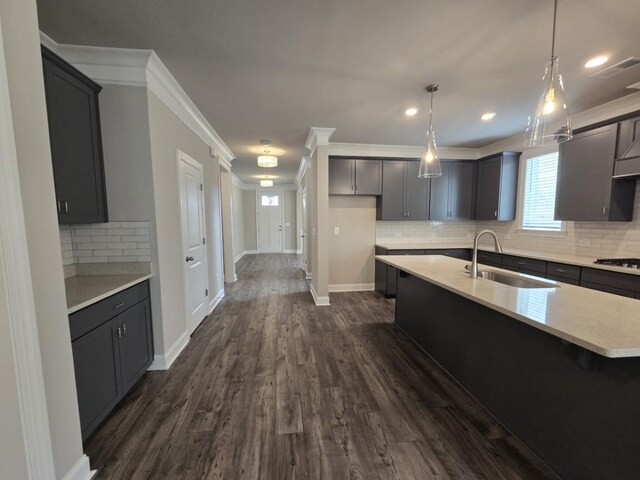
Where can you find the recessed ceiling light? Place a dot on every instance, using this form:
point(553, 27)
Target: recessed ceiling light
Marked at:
point(596, 61)
point(266, 183)
point(488, 116)
point(410, 112)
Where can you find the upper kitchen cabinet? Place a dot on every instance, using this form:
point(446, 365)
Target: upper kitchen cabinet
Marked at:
point(76, 142)
point(355, 176)
point(628, 149)
point(497, 187)
point(586, 191)
point(405, 196)
point(452, 193)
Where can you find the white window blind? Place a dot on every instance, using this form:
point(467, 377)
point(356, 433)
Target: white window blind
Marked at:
point(541, 176)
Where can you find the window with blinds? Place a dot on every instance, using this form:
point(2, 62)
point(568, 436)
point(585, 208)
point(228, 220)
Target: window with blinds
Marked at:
point(541, 175)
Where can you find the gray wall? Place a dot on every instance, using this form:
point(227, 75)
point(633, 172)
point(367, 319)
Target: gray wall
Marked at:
point(250, 226)
point(26, 88)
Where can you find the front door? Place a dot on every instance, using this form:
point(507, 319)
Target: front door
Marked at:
point(193, 242)
point(269, 222)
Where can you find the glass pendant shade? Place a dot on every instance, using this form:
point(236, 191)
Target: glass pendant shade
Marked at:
point(549, 123)
point(267, 161)
point(430, 163)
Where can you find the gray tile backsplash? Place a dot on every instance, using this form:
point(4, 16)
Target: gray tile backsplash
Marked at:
point(111, 242)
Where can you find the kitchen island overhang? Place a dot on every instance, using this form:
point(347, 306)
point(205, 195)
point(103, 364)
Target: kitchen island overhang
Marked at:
point(518, 352)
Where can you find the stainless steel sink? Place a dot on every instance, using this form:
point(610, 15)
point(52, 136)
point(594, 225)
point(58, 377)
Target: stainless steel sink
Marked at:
point(516, 281)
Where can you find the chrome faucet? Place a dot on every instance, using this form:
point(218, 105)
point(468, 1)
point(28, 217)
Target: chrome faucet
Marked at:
point(474, 260)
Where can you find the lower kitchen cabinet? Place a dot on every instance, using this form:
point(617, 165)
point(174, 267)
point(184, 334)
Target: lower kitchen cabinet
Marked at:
point(112, 344)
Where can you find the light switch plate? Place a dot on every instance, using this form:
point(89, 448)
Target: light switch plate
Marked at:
point(336, 230)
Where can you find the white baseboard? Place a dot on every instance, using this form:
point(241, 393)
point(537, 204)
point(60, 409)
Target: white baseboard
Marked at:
point(239, 256)
point(352, 287)
point(80, 471)
point(164, 362)
point(250, 252)
point(299, 252)
point(319, 301)
point(216, 300)
point(290, 250)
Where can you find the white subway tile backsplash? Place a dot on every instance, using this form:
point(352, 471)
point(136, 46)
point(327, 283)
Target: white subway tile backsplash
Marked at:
point(112, 242)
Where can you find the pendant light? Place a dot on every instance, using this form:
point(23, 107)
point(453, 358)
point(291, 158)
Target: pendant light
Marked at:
point(550, 123)
point(267, 161)
point(430, 163)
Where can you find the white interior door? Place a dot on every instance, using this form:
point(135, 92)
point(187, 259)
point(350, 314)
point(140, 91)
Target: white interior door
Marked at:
point(269, 222)
point(193, 240)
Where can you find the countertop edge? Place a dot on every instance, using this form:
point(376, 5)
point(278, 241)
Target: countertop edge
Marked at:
point(108, 294)
point(606, 352)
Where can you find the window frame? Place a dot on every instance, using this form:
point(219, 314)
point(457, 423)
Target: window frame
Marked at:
point(522, 229)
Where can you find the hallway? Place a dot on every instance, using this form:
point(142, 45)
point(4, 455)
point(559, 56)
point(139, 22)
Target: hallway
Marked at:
point(272, 387)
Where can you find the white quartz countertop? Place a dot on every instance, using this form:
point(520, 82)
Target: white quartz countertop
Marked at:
point(548, 256)
point(85, 290)
point(603, 323)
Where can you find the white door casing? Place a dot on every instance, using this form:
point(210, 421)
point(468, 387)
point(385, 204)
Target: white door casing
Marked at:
point(270, 235)
point(194, 255)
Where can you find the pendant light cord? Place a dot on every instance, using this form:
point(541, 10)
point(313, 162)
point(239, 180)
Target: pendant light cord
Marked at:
point(553, 37)
point(431, 114)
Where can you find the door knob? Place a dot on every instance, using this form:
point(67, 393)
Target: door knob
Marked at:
point(189, 259)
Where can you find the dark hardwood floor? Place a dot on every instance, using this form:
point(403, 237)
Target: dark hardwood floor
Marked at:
point(272, 387)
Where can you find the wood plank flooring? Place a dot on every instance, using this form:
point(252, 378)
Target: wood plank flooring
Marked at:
point(271, 387)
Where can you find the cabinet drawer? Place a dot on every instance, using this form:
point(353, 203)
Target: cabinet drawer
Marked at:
point(490, 258)
point(557, 278)
point(531, 266)
point(609, 289)
point(564, 271)
point(94, 315)
point(406, 252)
point(614, 280)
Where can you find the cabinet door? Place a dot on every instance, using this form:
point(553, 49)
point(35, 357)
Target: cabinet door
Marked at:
point(76, 144)
point(368, 177)
point(439, 201)
point(585, 167)
point(341, 176)
point(416, 193)
point(488, 189)
point(136, 350)
point(97, 373)
point(391, 206)
point(461, 191)
point(628, 141)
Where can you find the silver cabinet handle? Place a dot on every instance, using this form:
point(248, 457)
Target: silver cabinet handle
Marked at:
point(66, 207)
point(521, 263)
point(118, 305)
point(119, 333)
point(604, 210)
point(495, 214)
point(559, 270)
point(59, 206)
point(124, 328)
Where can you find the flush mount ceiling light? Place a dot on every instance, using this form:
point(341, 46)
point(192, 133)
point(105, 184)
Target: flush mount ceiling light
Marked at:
point(411, 112)
point(430, 163)
point(550, 123)
point(266, 183)
point(596, 61)
point(267, 161)
point(488, 116)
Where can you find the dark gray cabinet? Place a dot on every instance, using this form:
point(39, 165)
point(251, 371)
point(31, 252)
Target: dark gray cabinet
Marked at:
point(76, 142)
point(405, 196)
point(451, 196)
point(112, 344)
point(497, 187)
point(585, 190)
point(628, 149)
point(355, 176)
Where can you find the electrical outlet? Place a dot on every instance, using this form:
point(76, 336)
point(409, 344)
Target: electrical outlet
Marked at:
point(336, 230)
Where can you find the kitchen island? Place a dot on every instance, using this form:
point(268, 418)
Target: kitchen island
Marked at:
point(558, 366)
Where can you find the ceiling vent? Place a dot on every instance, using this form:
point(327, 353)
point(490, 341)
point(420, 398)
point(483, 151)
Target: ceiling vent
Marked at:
point(618, 68)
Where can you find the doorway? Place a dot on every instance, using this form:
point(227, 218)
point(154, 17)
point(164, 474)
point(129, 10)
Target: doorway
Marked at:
point(194, 255)
point(270, 238)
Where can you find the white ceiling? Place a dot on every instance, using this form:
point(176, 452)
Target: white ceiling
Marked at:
point(272, 69)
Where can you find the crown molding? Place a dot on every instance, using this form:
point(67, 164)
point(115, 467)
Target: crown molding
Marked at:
point(140, 68)
point(224, 163)
point(318, 136)
point(621, 106)
point(408, 151)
